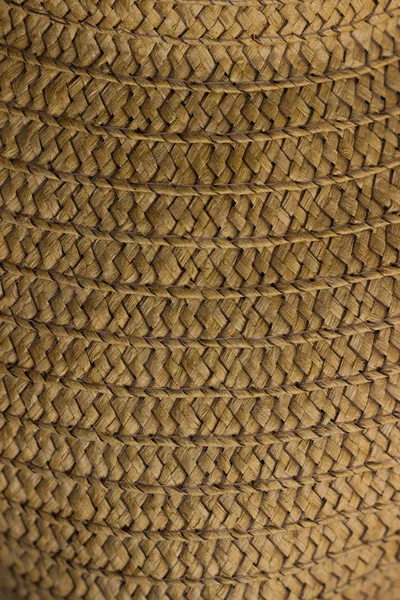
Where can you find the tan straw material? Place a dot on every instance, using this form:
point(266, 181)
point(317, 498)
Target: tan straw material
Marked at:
point(200, 299)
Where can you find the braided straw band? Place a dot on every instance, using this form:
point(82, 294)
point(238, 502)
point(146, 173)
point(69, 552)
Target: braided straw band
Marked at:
point(199, 299)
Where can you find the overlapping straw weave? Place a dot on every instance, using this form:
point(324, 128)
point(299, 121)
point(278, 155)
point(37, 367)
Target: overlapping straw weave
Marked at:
point(200, 299)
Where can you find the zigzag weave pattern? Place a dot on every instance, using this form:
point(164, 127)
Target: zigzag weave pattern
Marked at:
point(200, 299)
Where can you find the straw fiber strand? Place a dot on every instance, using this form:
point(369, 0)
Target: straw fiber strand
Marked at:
point(200, 299)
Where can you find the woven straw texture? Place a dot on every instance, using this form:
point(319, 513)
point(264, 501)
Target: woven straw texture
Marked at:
point(200, 299)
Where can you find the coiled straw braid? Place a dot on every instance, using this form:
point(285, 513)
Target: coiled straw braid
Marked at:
point(200, 299)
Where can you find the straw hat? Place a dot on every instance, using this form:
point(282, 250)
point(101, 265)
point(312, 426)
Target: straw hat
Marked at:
point(200, 299)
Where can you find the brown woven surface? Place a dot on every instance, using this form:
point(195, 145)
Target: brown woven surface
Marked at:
point(200, 299)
